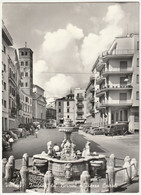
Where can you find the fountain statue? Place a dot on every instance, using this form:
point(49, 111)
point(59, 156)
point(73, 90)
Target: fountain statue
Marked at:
point(69, 164)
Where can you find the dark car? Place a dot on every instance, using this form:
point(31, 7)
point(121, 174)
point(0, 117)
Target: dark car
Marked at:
point(116, 129)
point(5, 143)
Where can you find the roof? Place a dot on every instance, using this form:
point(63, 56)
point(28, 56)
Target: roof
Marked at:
point(38, 87)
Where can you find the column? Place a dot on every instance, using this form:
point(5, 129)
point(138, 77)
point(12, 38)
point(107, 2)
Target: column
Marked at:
point(109, 115)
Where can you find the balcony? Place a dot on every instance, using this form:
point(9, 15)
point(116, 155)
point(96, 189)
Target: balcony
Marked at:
point(117, 103)
point(80, 111)
point(100, 79)
point(117, 72)
point(12, 79)
point(80, 105)
point(122, 53)
point(92, 100)
point(92, 89)
point(100, 65)
point(80, 98)
point(92, 78)
point(102, 91)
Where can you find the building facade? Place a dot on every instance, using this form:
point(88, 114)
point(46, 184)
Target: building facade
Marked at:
point(80, 105)
point(6, 42)
point(14, 88)
point(39, 104)
point(118, 82)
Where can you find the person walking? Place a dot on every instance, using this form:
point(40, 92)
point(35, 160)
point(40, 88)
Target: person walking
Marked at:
point(36, 132)
point(11, 143)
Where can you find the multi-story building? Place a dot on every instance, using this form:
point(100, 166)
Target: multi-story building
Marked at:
point(90, 100)
point(80, 105)
point(26, 69)
point(73, 107)
point(60, 110)
point(50, 113)
point(14, 88)
point(39, 105)
point(69, 106)
point(118, 82)
point(6, 42)
point(26, 111)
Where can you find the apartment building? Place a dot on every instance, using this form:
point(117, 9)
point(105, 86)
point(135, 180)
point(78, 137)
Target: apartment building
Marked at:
point(6, 42)
point(80, 105)
point(39, 104)
point(26, 69)
point(59, 103)
point(90, 99)
point(14, 87)
point(118, 82)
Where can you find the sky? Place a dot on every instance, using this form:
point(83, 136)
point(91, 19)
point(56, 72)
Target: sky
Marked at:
point(66, 38)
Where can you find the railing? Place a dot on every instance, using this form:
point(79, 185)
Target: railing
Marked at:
point(113, 71)
point(100, 65)
point(114, 87)
point(111, 102)
point(80, 111)
point(80, 105)
point(80, 98)
point(119, 52)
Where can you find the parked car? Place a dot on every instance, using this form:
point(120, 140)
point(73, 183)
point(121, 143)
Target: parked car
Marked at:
point(5, 144)
point(12, 134)
point(116, 129)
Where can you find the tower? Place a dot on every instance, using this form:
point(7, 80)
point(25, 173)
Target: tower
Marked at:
point(26, 68)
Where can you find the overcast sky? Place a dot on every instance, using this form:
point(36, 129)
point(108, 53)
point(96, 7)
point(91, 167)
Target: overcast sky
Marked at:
point(66, 38)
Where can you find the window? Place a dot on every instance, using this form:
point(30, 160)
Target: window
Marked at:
point(4, 103)
point(137, 95)
point(136, 117)
point(125, 115)
point(59, 103)
point(67, 103)
point(59, 110)
point(123, 65)
point(123, 96)
point(26, 99)
point(22, 74)
point(26, 74)
point(121, 115)
point(22, 63)
point(68, 116)
point(122, 81)
point(4, 49)
point(4, 67)
point(4, 86)
point(22, 53)
point(26, 84)
point(137, 45)
point(22, 84)
point(137, 78)
point(137, 62)
point(26, 63)
point(26, 53)
point(68, 109)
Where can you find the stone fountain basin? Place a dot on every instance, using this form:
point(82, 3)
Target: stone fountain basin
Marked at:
point(60, 168)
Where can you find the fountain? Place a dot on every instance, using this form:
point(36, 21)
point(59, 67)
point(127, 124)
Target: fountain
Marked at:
point(68, 164)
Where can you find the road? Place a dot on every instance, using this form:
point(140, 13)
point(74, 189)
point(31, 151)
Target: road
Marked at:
point(119, 145)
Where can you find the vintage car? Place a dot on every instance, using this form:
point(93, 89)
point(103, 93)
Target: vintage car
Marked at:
point(116, 129)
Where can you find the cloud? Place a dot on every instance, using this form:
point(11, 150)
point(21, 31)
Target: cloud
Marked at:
point(39, 68)
point(93, 44)
point(114, 14)
point(58, 85)
point(68, 51)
